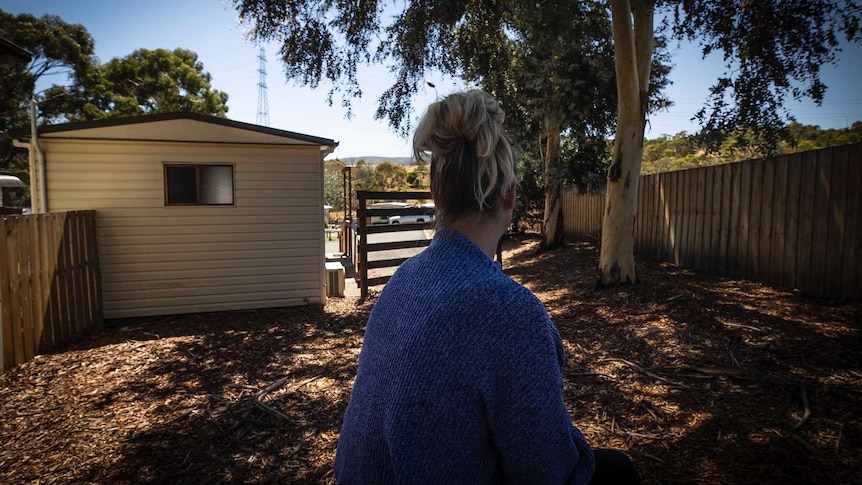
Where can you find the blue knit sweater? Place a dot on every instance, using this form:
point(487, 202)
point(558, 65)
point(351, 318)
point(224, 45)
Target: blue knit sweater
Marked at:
point(459, 381)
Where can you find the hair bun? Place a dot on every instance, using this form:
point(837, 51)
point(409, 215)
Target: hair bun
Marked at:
point(469, 151)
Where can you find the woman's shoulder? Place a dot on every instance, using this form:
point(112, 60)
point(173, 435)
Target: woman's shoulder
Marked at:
point(514, 306)
point(510, 290)
point(516, 322)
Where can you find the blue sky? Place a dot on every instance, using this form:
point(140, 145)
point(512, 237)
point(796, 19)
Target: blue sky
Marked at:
point(211, 29)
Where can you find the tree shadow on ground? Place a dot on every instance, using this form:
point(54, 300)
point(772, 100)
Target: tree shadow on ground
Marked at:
point(174, 400)
point(702, 378)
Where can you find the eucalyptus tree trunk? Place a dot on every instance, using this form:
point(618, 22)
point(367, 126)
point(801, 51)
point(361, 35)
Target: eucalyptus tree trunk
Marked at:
point(552, 226)
point(633, 46)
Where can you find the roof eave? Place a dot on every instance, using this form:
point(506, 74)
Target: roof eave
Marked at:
point(12, 49)
point(24, 133)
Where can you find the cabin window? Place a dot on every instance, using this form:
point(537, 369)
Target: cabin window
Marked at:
point(199, 184)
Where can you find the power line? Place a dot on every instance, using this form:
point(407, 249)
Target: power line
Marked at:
point(262, 102)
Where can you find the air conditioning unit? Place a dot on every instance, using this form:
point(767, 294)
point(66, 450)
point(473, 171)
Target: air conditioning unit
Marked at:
point(334, 279)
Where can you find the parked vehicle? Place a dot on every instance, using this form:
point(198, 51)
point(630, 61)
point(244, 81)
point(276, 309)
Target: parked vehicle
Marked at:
point(385, 205)
point(415, 219)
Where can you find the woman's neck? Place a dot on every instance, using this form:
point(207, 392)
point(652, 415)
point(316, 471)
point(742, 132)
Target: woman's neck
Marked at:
point(484, 230)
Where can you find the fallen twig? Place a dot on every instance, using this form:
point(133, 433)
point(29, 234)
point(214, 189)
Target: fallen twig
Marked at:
point(732, 371)
point(275, 385)
point(652, 457)
point(651, 374)
point(739, 325)
point(274, 412)
point(258, 400)
point(642, 435)
point(807, 413)
point(586, 374)
point(241, 386)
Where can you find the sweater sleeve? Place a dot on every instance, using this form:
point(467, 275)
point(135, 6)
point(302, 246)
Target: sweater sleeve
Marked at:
point(531, 427)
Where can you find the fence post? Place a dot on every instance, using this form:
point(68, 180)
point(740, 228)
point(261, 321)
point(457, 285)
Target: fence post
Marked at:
point(362, 256)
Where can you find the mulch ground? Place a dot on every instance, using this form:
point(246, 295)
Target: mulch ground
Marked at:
point(700, 379)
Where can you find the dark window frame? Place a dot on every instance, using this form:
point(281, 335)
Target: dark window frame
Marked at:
point(197, 182)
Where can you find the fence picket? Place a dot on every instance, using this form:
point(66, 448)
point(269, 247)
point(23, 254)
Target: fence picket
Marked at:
point(685, 216)
point(724, 237)
point(743, 249)
point(76, 247)
point(25, 289)
point(766, 210)
point(754, 208)
point(837, 216)
point(44, 299)
point(715, 220)
point(700, 222)
point(821, 223)
point(779, 204)
point(14, 301)
point(790, 265)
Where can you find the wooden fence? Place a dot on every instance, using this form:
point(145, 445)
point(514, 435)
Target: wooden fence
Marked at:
point(50, 284)
point(792, 221)
point(364, 229)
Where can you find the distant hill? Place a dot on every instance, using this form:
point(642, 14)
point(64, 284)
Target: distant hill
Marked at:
point(376, 160)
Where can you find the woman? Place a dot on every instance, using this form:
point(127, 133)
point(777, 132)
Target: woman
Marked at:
point(460, 375)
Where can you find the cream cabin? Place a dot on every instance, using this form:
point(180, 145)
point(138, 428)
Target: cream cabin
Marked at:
point(194, 213)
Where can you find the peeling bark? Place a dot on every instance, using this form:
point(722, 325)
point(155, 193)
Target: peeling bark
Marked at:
point(633, 45)
point(616, 170)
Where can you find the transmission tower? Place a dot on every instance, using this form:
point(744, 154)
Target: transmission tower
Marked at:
point(262, 103)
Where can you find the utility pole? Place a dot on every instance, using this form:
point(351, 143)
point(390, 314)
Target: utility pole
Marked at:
point(262, 103)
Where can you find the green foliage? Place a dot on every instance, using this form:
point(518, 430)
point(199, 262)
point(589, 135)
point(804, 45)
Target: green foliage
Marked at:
point(333, 184)
point(143, 82)
point(420, 177)
point(550, 64)
point(384, 176)
point(529, 209)
point(773, 51)
point(807, 137)
point(363, 176)
point(683, 151)
point(56, 46)
point(390, 177)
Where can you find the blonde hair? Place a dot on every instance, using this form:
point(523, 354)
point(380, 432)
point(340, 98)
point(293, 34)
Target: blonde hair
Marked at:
point(472, 162)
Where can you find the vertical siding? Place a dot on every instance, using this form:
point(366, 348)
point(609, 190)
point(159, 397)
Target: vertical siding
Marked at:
point(264, 251)
point(792, 221)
